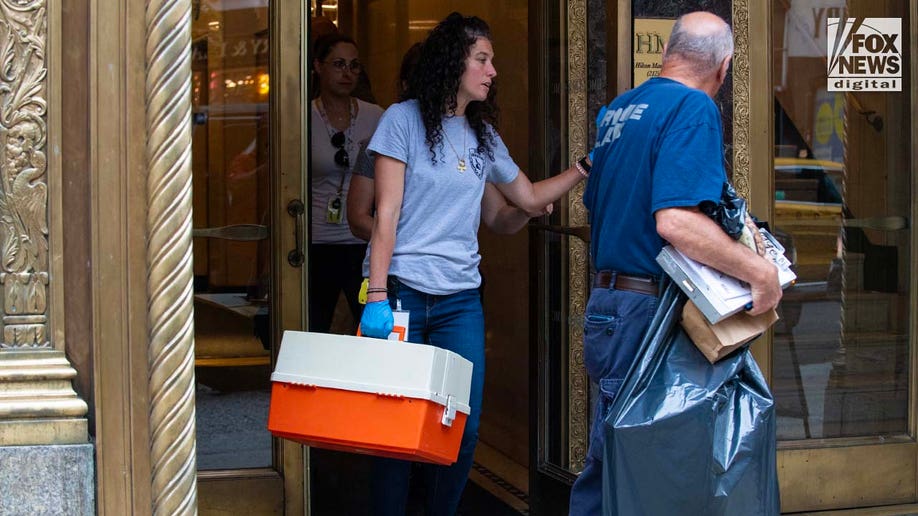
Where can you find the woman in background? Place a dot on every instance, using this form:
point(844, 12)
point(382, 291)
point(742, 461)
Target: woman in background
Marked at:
point(341, 124)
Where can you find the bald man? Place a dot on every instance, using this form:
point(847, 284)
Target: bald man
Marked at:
point(658, 155)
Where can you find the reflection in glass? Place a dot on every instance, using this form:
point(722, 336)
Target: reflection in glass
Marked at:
point(230, 88)
point(842, 182)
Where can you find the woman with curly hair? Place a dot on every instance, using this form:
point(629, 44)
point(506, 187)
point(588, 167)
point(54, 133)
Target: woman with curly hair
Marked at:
point(434, 152)
point(496, 214)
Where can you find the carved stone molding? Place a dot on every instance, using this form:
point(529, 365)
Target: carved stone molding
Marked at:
point(37, 402)
point(741, 97)
point(24, 181)
point(578, 255)
point(169, 257)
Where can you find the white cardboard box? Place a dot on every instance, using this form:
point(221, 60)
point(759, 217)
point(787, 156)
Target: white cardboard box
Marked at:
point(716, 294)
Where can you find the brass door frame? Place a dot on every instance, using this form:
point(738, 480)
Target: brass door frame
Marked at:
point(290, 154)
point(752, 124)
point(114, 57)
point(139, 143)
point(913, 357)
point(136, 184)
point(550, 476)
point(130, 141)
point(815, 474)
point(280, 489)
point(575, 258)
point(578, 253)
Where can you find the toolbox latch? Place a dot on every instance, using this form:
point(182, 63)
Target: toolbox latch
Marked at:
point(449, 411)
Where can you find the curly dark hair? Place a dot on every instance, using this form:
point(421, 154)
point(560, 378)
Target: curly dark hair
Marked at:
point(435, 81)
point(409, 62)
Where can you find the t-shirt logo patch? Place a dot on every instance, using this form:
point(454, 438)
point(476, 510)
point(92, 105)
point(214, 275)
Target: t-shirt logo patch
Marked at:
point(614, 121)
point(477, 162)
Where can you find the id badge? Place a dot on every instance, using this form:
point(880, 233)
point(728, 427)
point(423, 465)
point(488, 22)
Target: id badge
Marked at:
point(333, 210)
point(400, 326)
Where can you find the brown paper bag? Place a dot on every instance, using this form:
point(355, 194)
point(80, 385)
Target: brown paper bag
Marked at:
point(716, 341)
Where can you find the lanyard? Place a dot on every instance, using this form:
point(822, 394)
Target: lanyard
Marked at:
point(352, 105)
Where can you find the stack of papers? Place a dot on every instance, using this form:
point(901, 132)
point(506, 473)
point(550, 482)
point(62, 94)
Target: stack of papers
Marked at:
point(716, 294)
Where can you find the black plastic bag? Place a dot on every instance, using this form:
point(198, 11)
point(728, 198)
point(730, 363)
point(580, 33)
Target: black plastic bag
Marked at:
point(684, 436)
point(729, 213)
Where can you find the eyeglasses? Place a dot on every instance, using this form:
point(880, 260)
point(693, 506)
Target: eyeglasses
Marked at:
point(341, 158)
point(341, 65)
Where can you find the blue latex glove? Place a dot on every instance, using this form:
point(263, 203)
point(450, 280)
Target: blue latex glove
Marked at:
point(377, 320)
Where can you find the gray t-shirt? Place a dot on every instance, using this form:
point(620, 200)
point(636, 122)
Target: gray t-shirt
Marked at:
point(327, 176)
point(436, 241)
point(365, 163)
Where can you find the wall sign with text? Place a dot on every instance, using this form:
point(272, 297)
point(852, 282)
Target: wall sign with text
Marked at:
point(650, 34)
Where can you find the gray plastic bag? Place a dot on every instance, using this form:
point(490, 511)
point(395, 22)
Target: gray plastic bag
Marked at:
point(684, 436)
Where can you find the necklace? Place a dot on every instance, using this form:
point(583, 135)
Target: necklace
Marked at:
point(460, 166)
point(320, 107)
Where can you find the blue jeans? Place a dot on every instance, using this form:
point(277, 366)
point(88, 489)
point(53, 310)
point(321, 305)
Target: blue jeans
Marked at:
point(454, 322)
point(615, 324)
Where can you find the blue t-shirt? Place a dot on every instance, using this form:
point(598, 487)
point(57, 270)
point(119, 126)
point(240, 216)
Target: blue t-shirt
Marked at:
point(658, 146)
point(436, 241)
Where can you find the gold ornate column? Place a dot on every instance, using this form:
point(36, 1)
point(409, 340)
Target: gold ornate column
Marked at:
point(169, 257)
point(741, 98)
point(578, 256)
point(752, 122)
point(37, 402)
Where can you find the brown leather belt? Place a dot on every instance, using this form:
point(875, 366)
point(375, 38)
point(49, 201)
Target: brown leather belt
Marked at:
point(618, 281)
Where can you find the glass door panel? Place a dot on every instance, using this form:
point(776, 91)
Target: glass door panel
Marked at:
point(231, 252)
point(552, 388)
point(842, 204)
point(245, 291)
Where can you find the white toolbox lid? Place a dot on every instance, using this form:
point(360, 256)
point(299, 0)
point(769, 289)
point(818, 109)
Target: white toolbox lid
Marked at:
point(378, 366)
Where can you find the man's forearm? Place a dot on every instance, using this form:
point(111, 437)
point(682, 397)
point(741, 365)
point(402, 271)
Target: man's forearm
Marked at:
point(701, 239)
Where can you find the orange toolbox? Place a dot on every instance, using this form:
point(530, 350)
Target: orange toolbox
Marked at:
point(364, 395)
